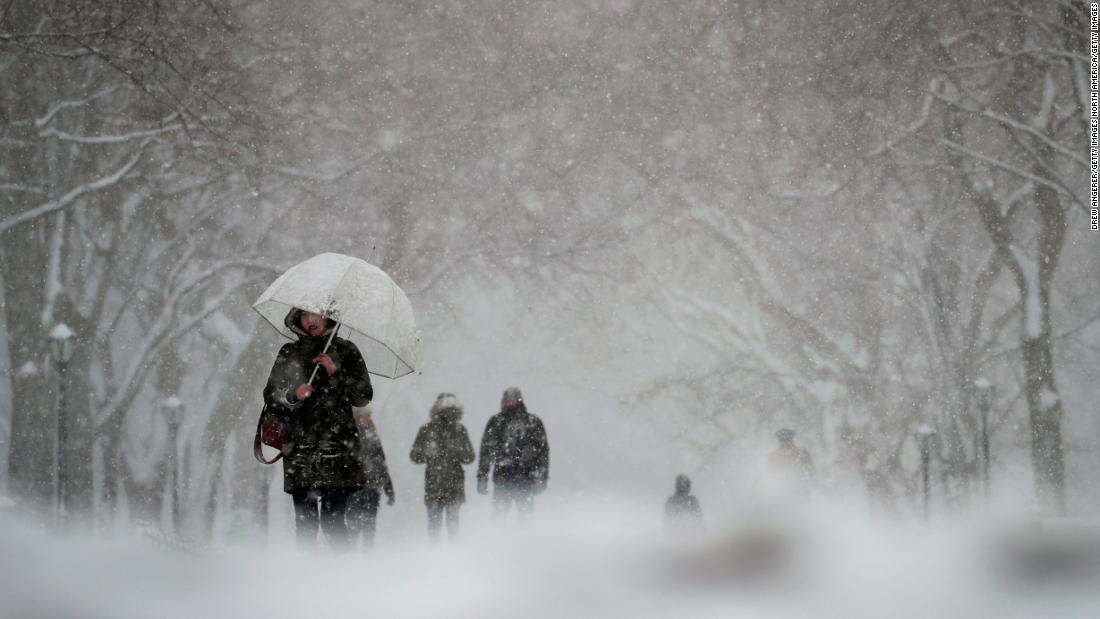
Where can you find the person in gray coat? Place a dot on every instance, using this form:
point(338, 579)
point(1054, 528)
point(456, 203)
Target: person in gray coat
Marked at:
point(443, 445)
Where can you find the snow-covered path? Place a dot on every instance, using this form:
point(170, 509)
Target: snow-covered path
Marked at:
point(594, 560)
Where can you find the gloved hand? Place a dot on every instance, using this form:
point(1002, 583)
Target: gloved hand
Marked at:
point(482, 485)
point(390, 499)
point(540, 486)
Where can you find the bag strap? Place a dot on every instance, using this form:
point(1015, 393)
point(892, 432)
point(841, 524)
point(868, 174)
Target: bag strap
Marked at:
point(257, 448)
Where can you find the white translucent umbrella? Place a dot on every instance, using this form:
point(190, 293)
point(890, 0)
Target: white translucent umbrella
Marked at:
point(373, 312)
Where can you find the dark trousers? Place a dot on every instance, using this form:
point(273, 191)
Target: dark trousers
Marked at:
point(363, 515)
point(324, 510)
point(520, 495)
point(436, 514)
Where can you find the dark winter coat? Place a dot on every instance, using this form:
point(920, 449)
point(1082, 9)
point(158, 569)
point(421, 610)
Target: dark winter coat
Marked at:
point(321, 452)
point(682, 510)
point(373, 458)
point(444, 446)
point(515, 449)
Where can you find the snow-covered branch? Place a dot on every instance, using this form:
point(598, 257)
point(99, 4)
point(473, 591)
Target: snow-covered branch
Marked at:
point(1019, 126)
point(107, 139)
point(1007, 167)
point(15, 188)
point(913, 128)
point(72, 195)
point(45, 119)
point(164, 329)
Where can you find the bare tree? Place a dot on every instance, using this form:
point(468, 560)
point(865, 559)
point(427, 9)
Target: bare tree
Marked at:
point(1014, 125)
point(132, 156)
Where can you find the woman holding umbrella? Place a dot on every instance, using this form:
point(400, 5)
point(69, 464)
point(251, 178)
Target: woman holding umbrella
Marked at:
point(320, 465)
point(319, 377)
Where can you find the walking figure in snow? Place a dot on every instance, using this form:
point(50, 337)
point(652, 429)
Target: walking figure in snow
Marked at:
point(444, 446)
point(515, 449)
point(682, 511)
point(321, 468)
point(363, 507)
point(791, 461)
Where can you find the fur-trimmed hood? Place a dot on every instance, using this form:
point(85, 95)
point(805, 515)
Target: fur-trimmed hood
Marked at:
point(447, 408)
point(294, 324)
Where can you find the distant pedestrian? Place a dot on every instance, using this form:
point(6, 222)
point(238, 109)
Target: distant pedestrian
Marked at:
point(515, 450)
point(444, 446)
point(363, 505)
point(683, 513)
point(790, 460)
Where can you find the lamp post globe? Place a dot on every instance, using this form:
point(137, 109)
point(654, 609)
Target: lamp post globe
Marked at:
point(61, 343)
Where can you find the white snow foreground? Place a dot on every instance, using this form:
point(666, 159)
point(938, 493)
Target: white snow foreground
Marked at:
point(592, 560)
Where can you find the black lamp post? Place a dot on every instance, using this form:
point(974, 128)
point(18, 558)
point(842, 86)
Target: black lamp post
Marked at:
point(61, 349)
point(985, 392)
point(925, 437)
point(173, 412)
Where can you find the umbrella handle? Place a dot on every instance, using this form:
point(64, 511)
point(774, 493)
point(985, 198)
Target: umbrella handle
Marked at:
point(329, 342)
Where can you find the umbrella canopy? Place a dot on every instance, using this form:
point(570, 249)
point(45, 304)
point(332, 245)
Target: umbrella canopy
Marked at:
point(374, 312)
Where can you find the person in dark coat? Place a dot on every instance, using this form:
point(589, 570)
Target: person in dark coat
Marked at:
point(682, 511)
point(321, 468)
point(363, 506)
point(514, 448)
point(444, 446)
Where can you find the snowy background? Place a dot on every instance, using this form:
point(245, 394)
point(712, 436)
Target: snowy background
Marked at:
point(676, 226)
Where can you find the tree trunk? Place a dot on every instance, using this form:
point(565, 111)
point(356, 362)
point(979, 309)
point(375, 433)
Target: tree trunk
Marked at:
point(113, 473)
point(1045, 412)
point(1043, 402)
